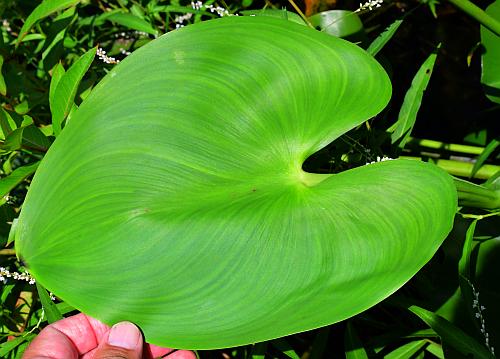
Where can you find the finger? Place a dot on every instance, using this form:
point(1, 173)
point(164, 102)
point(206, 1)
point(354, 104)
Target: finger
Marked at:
point(51, 344)
point(152, 351)
point(83, 331)
point(181, 354)
point(124, 341)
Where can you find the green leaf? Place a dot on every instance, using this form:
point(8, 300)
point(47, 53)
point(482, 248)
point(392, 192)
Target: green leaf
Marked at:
point(57, 73)
point(490, 148)
point(7, 124)
point(130, 20)
point(3, 86)
point(451, 334)
point(53, 314)
point(383, 38)
point(175, 197)
point(283, 346)
point(17, 176)
point(411, 103)
point(8, 346)
point(464, 265)
point(490, 59)
point(46, 8)
point(65, 91)
point(34, 139)
point(339, 23)
point(407, 350)
point(259, 350)
point(436, 350)
point(353, 347)
point(13, 140)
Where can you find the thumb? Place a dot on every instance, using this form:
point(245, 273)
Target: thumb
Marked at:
point(124, 342)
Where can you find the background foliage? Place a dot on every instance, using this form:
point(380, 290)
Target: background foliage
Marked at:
point(448, 310)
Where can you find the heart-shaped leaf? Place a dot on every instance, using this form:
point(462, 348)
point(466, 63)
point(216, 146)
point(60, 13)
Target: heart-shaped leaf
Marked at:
point(175, 197)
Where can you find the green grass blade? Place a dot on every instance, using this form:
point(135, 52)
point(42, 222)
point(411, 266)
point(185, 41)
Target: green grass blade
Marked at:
point(407, 350)
point(401, 130)
point(384, 37)
point(354, 348)
point(53, 314)
point(488, 150)
point(67, 86)
point(452, 335)
point(17, 176)
point(46, 8)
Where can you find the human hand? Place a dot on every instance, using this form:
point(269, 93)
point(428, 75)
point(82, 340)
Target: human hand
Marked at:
point(82, 337)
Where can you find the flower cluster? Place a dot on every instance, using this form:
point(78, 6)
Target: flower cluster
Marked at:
point(101, 54)
point(198, 5)
point(5, 273)
point(6, 25)
point(380, 159)
point(369, 5)
point(479, 309)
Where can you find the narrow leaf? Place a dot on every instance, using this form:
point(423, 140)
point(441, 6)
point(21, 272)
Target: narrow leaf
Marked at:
point(13, 231)
point(411, 103)
point(14, 140)
point(16, 177)
point(132, 22)
point(53, 314)
point(478, 196)
point(492, 146)
point(10, 345)
point(7, 124)
point(46, 8)
point(435, 349)
point(57, 73)
point(383, 38)
point(464, 265)
point(353, 347)
point(67, 86)
point(3, 86)
point(407, 350)
point(451, 334)
point(320, 343)
point(282, 345)
point(259, 350)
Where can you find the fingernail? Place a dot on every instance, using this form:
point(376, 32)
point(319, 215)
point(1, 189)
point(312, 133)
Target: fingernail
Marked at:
point(124, 335)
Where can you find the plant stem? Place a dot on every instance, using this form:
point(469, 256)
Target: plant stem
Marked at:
point(306, 20)
point(7, 252)
point(462, 169)
point(478, 14)
point(451, 147)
